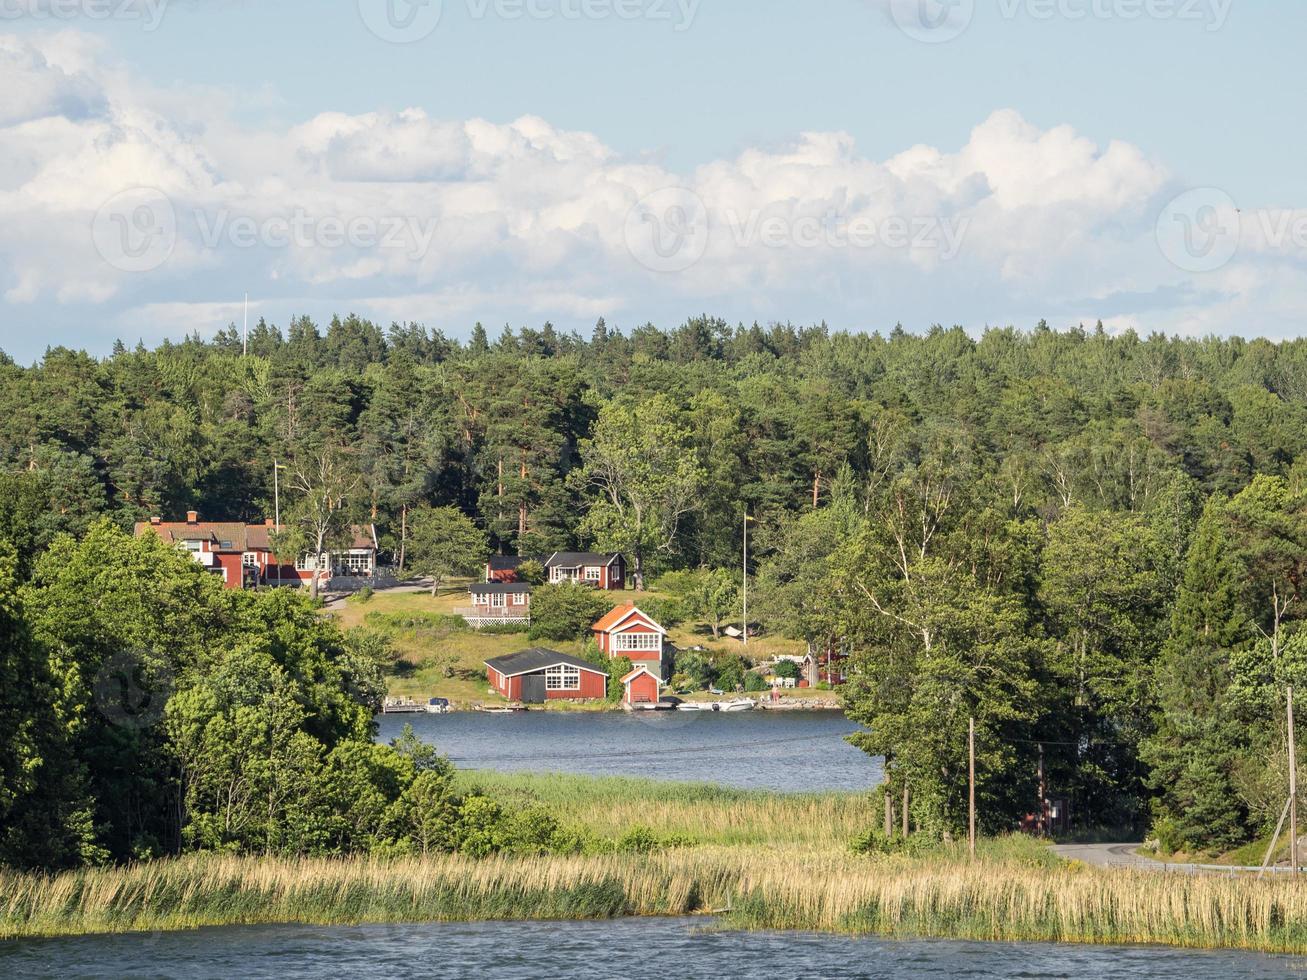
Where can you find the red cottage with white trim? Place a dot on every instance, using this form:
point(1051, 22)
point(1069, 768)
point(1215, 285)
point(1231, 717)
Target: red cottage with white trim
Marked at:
point(628, 632)
point(538, 675)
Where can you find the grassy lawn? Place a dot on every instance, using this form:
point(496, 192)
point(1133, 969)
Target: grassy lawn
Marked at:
point(439, 661)
point(436, 661)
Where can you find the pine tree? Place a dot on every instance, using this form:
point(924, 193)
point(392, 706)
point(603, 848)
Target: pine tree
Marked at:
point(1195, 747)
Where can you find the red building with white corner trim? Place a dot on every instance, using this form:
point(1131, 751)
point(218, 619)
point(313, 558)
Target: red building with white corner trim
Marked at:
point(642, 687)
point(538, 675)
point(242, 553)
point(628, 632)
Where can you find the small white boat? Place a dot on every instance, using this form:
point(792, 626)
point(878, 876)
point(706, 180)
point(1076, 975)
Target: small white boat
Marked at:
point(739, 704)
point(696, 706)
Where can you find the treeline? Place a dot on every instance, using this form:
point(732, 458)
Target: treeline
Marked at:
point(1010, 526)
point(148, 711)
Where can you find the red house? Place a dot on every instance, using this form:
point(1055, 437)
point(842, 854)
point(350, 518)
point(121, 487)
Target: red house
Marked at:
point(627, 632)
point(242, 553)
point(606, 572)
point(493, 603)
point(539, 675)
point(503, 568)
point(642, 687)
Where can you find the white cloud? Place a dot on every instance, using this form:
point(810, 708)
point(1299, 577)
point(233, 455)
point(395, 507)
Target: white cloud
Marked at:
point(409, 217)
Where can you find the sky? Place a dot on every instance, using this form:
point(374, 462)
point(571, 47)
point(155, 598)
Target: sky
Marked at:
point(860, 162)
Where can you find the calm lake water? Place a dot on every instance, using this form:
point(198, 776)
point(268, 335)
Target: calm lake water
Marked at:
point(624, 948)
point(789, 751)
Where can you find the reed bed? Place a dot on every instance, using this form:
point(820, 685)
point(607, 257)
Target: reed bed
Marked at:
point(699, 812)
point(1010, 895)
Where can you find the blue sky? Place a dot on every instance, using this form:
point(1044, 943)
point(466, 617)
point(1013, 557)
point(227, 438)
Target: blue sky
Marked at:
point(1056, 133)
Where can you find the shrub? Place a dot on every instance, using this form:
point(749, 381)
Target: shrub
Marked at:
point(617, 669)
point(531, 572)
point(666, 612)
point(699, 670)
point(362, 595)
point(504, 629)
point(754, 682)
point(787, 670)
point(564, 612)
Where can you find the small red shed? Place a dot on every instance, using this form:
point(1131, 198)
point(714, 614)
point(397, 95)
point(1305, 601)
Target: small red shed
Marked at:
point(538, 675)
point(642, 687)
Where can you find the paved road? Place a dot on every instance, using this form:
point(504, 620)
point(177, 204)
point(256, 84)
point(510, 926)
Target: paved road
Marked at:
point(1108, 856)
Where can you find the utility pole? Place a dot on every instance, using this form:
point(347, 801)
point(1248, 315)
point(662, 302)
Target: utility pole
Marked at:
point(971, 752)
point(245, 332)
point(747, 519)
point(1043, 795)
point(906, 829)
point(276, 508)
point(1293, 793)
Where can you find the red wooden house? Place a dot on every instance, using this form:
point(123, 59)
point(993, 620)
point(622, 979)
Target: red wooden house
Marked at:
point(503, 568)
point(242, 553)
point(628, 632)
point(606, 572)
point(642, 687)
point(539, 675)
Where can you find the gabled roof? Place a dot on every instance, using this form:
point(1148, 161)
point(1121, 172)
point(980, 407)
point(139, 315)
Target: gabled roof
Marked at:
point(619, 615)
point(504, 563)
point(500, 588)
point(642, 669)
point(240, 536)
point(576, 559)
point(537, 659)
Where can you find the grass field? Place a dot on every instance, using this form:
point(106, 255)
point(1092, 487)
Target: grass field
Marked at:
point(439, 662)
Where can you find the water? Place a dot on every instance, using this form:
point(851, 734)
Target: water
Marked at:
point(787, 751)
point(624, 948)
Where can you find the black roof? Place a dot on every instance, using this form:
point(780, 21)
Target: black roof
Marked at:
point(506, 588)
point(504, 563)
point(574, 559)
point(537, 659)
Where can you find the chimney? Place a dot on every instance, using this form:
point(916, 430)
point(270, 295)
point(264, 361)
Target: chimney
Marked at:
point(156, 520)
point(267, 522)
point(192, 517)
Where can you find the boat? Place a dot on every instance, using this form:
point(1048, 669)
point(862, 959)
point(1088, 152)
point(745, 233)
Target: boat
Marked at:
point(438, 706)
point(499, 711)
point(696, 706)
point(401, 706)
point(739, 704)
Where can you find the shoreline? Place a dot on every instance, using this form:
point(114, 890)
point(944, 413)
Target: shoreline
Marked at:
point(998, 900)
point(587, 707)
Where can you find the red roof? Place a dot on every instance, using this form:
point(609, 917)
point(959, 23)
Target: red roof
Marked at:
point(642, 669)
point(614, 618)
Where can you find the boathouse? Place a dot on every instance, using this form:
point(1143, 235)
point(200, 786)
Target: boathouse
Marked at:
point(538, 675)
point(642, 687)
point(628, 632)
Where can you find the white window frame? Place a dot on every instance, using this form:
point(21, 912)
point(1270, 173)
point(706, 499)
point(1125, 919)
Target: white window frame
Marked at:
point(250, 559)
point(563, 677)
point(637, 643)
point(497, 600)
point(593, 573)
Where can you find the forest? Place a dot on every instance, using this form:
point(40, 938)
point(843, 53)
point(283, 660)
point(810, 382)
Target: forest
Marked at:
point(1093, 544)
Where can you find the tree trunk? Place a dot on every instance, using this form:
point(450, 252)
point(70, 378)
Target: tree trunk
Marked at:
point(816, 489)
point(403, 537)
point(905, 811)
point(639, 569)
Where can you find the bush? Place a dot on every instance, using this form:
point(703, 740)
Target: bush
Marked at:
point(1167, 834)
point(564, 612)
point(617, 669)
point(504, 629)
point(697, 668)
point(787, 670)
point(362, 595)
point(754, 682)
point(531, 572)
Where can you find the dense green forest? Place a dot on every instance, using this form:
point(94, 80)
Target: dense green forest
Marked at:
point(1093, 544)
